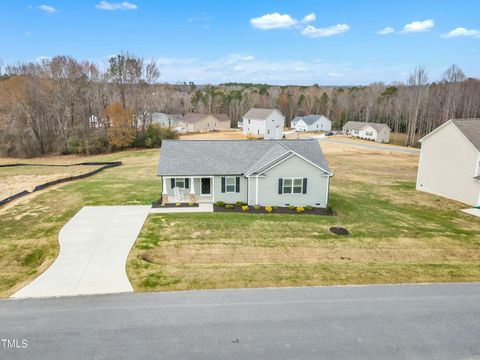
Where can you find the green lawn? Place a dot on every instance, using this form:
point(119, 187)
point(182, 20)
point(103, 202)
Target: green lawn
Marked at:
point(29, 228)
point(397, 233)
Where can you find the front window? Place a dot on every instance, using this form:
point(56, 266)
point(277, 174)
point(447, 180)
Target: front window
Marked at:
point(369, 133)
point(292, 186)
point(230, 184)
point(249, 121)
point(180, 183)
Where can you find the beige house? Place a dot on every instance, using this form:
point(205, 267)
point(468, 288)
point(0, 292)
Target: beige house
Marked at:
point(450, 161)
point(193, 122)
point(368, 131)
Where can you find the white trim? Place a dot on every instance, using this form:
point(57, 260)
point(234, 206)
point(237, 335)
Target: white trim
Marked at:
point(256, 193)
point(328, 191)
point(192, 186)
point(213, 188)
point(293, 182)
point(234, 184)
point(267, 164)
point(248, 190)
point(164, 186)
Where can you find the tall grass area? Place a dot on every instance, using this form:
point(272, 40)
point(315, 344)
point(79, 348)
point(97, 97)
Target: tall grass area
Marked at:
point(29, 228)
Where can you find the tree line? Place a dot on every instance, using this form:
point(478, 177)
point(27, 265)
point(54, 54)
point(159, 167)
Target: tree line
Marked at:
point(62, 105)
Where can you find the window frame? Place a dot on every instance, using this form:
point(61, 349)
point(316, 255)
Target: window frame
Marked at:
point(234, 184)
point(292, 186)
point(182, 180)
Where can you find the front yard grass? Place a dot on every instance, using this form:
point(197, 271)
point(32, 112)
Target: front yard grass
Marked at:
point(398, 235)
point(29, 227)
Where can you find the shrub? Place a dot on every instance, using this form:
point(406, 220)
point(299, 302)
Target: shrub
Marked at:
point(220, 203)
point(229, 206)
point(268, 209)
point(256, 207)
point(152, 136)
point(178, 204)
point(245, 208)
point(162, 205)
point(239, 203)
point(191, 204)
point(88, 144)
point(309, 208)
point(300, 209)
point(291, 207)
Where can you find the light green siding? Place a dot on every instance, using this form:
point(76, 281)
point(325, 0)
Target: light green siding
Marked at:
point(230, 197)
point(294, 167)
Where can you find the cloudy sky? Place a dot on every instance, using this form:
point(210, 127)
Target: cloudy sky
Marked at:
point(280, 42)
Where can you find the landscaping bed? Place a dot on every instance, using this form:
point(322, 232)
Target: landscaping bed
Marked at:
point(298, 210)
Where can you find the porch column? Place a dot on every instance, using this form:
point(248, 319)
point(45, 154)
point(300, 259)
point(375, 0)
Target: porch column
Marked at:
point(193, 198)
point(164, 190)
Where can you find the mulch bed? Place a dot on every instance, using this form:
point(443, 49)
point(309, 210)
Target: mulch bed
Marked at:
point(276, 210)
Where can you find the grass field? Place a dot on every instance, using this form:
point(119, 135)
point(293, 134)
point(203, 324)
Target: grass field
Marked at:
point(17, 179)
point(29, 227)
point(398, 234)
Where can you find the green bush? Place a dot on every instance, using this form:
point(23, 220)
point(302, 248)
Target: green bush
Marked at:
point(291, 207)
point(239, 203)
point(89, 145)
point(256, 207)
point(229, 206)
point(152, 136)
point(308, 207)
point(220, 203)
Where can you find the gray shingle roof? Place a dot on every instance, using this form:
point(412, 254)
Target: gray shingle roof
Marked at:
point(222, 117)
point(471, 129)
point(359, 125)
point(309, 119)
point(259, 114)
point(193, 117)
point(230, 157)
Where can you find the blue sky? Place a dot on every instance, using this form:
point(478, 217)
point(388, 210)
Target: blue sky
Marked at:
point(280, 42)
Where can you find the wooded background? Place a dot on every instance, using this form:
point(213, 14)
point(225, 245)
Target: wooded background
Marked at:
point(62, 105)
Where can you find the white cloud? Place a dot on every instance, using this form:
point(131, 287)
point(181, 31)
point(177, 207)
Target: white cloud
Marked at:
point(385, 31)
point(273, 21)
point(462, 32)
point(48, 9)
point(309, 18)
point(105, 5)
point(248, 58)
point(312, 31)
point(418, 26)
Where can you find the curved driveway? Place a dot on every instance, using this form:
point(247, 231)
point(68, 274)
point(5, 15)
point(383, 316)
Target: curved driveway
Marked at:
point(94, 246)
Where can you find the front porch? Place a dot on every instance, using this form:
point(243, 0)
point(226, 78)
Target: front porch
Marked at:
point(192, 189)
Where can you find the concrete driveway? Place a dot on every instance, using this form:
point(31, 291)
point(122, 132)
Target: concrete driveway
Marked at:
point(94, 246)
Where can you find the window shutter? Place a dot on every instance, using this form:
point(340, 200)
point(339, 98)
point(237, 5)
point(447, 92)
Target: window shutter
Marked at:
point(223, 184)
point(280, 186)
point(237, 183)
point(187, 183)
point(304, 185)
point(172, 183)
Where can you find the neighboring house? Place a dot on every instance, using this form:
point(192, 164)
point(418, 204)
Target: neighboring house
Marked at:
point(164, 120)
point(449, 163)
point(368, 131)
point(264, 123)
point(311, 123)
point(193, 122)
point(273, 172)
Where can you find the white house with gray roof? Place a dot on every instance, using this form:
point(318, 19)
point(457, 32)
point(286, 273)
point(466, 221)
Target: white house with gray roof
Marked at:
point(263, 172)
point(263, 123)
point(311, 123)
point(368, 131)
point(449, 163)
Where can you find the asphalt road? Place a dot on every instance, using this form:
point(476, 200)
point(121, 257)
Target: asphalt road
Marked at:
point(373, 146)
point(364, 322)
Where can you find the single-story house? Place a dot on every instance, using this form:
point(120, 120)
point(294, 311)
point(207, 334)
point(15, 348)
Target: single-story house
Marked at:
point(311, 123)
point(264, 123)
point(369, 131)
point(449, 163)
point(263, 172)
point(193, 122)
